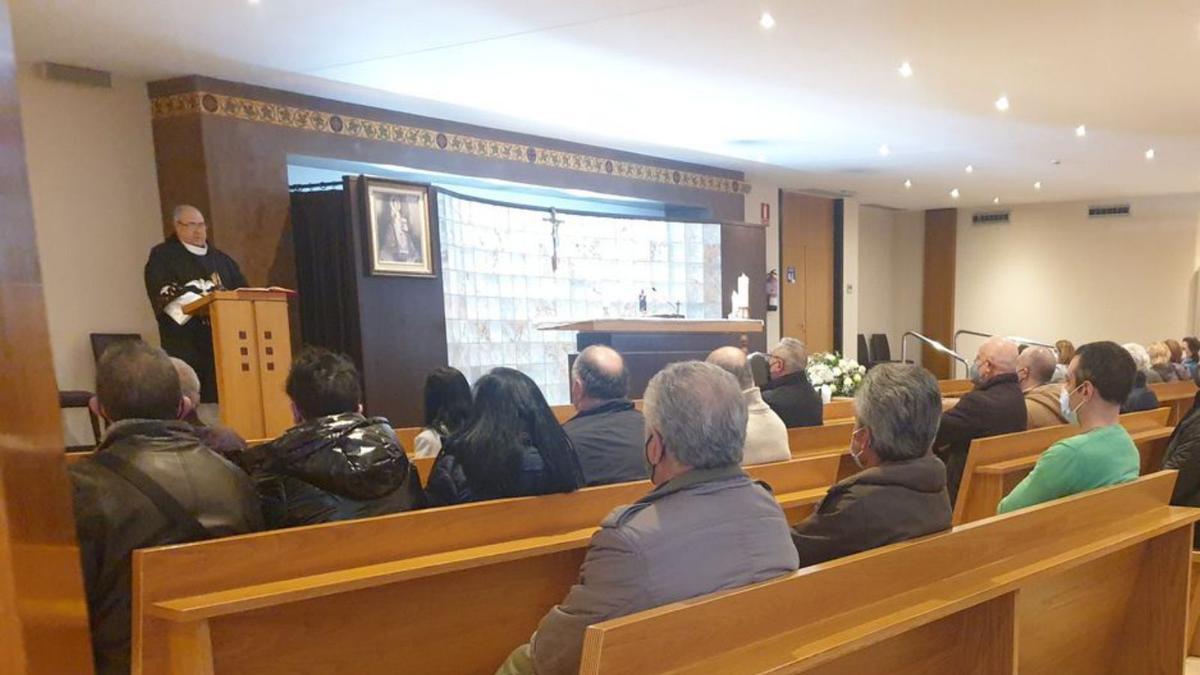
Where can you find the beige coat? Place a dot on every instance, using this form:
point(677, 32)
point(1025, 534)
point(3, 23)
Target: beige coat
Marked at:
point(766, 435)
point(1041, 405)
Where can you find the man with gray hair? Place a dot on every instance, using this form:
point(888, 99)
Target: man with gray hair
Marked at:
point(901, 492)
point(766, 435)
point(180, 270)
point(789, 393)
point(1035, 369)
point(223, 440)
point(607, 430)
point(705, 527)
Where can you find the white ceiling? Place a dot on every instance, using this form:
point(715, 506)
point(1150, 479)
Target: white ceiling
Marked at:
point(807, 103)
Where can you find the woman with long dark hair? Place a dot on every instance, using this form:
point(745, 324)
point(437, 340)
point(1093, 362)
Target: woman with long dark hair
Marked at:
point(447, 409)
point(511, 447)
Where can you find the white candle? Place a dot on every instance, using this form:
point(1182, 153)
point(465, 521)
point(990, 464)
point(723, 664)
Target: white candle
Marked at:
point(744, 290)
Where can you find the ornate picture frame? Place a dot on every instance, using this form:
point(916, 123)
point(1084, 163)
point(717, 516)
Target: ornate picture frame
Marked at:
point(399, 220)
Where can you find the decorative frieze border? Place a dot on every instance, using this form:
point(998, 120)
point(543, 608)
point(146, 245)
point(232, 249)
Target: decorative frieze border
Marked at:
point(221, 105)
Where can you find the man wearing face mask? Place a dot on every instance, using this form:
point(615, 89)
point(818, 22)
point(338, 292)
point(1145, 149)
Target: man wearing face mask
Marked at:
point(995, 406)
point(705, 527)
point(901, 492)
point(1098, 381)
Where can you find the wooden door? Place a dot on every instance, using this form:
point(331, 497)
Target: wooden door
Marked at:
point(806, 246)
point(43, 617)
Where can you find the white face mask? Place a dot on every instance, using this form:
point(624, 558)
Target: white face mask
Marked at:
point(1064, 404)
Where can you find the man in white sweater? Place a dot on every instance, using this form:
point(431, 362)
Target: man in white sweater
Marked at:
point(766, 435)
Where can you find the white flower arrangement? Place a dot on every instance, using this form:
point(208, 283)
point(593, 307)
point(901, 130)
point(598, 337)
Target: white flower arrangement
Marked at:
point(841, 375)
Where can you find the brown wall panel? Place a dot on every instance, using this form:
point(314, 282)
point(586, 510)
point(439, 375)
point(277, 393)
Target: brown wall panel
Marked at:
point(806, 243)
point(742, 248)
point(43, 615)
point(937, 295)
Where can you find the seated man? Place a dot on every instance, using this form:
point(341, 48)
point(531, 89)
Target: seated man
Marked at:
point(766, 436)
point(335, 464)
point(901, 492)
point(1035, 368)
point(150, 483)
point(789, 393)
point(607, 432)
point(1098, 380)
point(705, 527)
point(995, 406)
point(223, 440)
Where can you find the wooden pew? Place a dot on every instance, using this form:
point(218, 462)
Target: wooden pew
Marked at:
point(838, 410)
point(829, 438)
point(997, 464)
point(1178, 396)
point(448, 590)
point(1194, 607)
point(1095, 583)
point(955, 388)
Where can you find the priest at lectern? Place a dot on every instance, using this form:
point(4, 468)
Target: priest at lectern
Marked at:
point(180, 271)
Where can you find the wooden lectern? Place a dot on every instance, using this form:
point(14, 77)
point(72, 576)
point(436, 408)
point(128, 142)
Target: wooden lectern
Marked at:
point(252, 350)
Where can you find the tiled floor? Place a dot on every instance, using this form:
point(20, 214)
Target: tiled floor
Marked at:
point(1192, 667)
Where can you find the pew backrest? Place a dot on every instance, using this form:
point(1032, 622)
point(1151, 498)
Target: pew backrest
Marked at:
point(994, 465)
point(1178, 396)
point(955, 388)
point(1096, 582)
point(542, 537)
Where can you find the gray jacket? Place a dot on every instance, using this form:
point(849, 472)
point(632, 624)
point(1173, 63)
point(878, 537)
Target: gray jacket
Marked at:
point(704, 531)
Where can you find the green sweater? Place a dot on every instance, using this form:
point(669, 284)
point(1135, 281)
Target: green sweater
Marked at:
point(1100, 457)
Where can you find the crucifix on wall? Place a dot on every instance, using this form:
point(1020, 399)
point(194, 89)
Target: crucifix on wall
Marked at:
point(554, 221)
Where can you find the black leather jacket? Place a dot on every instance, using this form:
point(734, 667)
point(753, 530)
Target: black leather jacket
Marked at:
point(337, 467)
point(112, 518)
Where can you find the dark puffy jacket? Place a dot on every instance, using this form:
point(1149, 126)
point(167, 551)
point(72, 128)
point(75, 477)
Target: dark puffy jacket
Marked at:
point(1141, 397)
point(337, 467)
point(112, 518)
point(448, 483)
point(793, 398)
point(990, 409)
point(1183, 454)
point(882, 505)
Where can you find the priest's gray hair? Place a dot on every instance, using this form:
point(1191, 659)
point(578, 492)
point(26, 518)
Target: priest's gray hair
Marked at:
point(901, 405)
point(699, 412)
point(178, 212)
point(189, 382)
point(793, 353)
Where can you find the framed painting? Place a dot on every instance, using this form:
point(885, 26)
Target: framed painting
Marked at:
point(398, 220)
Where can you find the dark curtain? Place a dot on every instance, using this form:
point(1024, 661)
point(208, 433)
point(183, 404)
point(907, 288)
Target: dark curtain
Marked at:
point(324, 270)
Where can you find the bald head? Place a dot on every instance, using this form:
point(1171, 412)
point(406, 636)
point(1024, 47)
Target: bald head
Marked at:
point(1035, 367)
point(733, 361)
point(598, 375)
point(997, 356)
point(189, 225)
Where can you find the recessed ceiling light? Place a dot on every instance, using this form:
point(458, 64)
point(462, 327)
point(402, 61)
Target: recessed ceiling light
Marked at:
point(970, 168)
point(1002, 104)
point(1081, 131)
point(995, 200)
point(1037, 185)
point(905, 69)
point(1056, 162)
point(907, 184)
point(885, 150)
point(766, 21)
point(1150, 153)
point(954, 193)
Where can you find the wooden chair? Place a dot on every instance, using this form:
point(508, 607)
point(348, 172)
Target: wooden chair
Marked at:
point(449, 590)
point(1178, 396)
point(1094, 583)
point(995, 465)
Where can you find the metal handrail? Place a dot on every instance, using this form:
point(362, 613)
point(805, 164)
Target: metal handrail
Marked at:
point(934, 344)
point(1015, 338)
point(963, 331)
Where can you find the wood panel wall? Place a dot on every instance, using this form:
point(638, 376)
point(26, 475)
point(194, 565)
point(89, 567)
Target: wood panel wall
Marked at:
point(43, 615)
point(937, 294)
point(806, 243)
point(742, 249)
